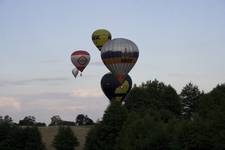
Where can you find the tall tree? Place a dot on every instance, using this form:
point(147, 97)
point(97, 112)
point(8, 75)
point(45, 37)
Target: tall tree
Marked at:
point(65, 139)
point(18, 138)
point(143, 133)
point(28, 121)
point(55, 120)
point(6, 119)
point(206, 130)
point(103, 136)
point(153, 95)
point(82, 119)
point(33, 139)
point(212, 114)
point(190, 96)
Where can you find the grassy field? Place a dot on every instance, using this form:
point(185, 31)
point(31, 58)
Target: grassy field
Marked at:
point(48, 134)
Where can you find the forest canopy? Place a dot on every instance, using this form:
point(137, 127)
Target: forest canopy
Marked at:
point(156, 117)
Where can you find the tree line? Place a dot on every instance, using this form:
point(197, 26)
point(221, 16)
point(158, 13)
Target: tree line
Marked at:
point(153, 117)
point(56, 120)
point(14, 137)
point(156, 117)
point(26, 136)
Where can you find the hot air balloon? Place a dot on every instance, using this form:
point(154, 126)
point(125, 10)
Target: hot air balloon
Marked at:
point(113, 89)
point(119, 55)
point(80, 59)
point(100, 37)
point(75, 72)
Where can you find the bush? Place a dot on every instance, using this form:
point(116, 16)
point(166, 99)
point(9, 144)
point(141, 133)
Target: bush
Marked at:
point(65, 139)
point(103, 136)
point(17, 138)
point(143, 133)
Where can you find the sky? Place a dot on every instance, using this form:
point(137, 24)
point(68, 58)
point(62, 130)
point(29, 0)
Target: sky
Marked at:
point(179, 42)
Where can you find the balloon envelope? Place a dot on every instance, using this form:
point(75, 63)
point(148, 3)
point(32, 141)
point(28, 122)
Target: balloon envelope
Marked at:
point(113, 88)
point(75, 72)
point(119, 55)
point(80, 59)
point(100, 37)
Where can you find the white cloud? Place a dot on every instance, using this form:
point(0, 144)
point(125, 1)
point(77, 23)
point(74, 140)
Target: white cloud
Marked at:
point(10, 102)
point(86, 93)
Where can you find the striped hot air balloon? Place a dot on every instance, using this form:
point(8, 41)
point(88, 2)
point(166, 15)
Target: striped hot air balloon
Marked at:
point(119, 56)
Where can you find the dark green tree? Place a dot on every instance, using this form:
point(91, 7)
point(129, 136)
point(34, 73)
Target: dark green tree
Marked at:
point(33, 139)
point(212, 117)
point(18, 138)
point(6, 119)
point(154, 95)
point(14, 140)
point(157, 121)
point(93, 141)
point(55, 120)
point(103, 135)
point(206, 130)
point(190, 96)
point(4, 130)
point(143, 133)
point(28, 121)
point(65, 139)
point(82, 119)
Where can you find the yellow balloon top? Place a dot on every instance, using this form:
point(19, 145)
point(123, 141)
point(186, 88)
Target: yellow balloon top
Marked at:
point(100, 37)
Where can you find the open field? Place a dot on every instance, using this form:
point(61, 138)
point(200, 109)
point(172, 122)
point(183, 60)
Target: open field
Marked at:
point(48, 134)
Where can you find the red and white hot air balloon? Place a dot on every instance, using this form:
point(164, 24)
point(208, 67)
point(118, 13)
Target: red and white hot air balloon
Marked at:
point(80, 59)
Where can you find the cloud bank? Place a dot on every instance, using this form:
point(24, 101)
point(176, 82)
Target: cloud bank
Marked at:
point(34, 80)
point(10, 103)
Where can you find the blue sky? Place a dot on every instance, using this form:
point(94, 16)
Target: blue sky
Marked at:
point(179, 42)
